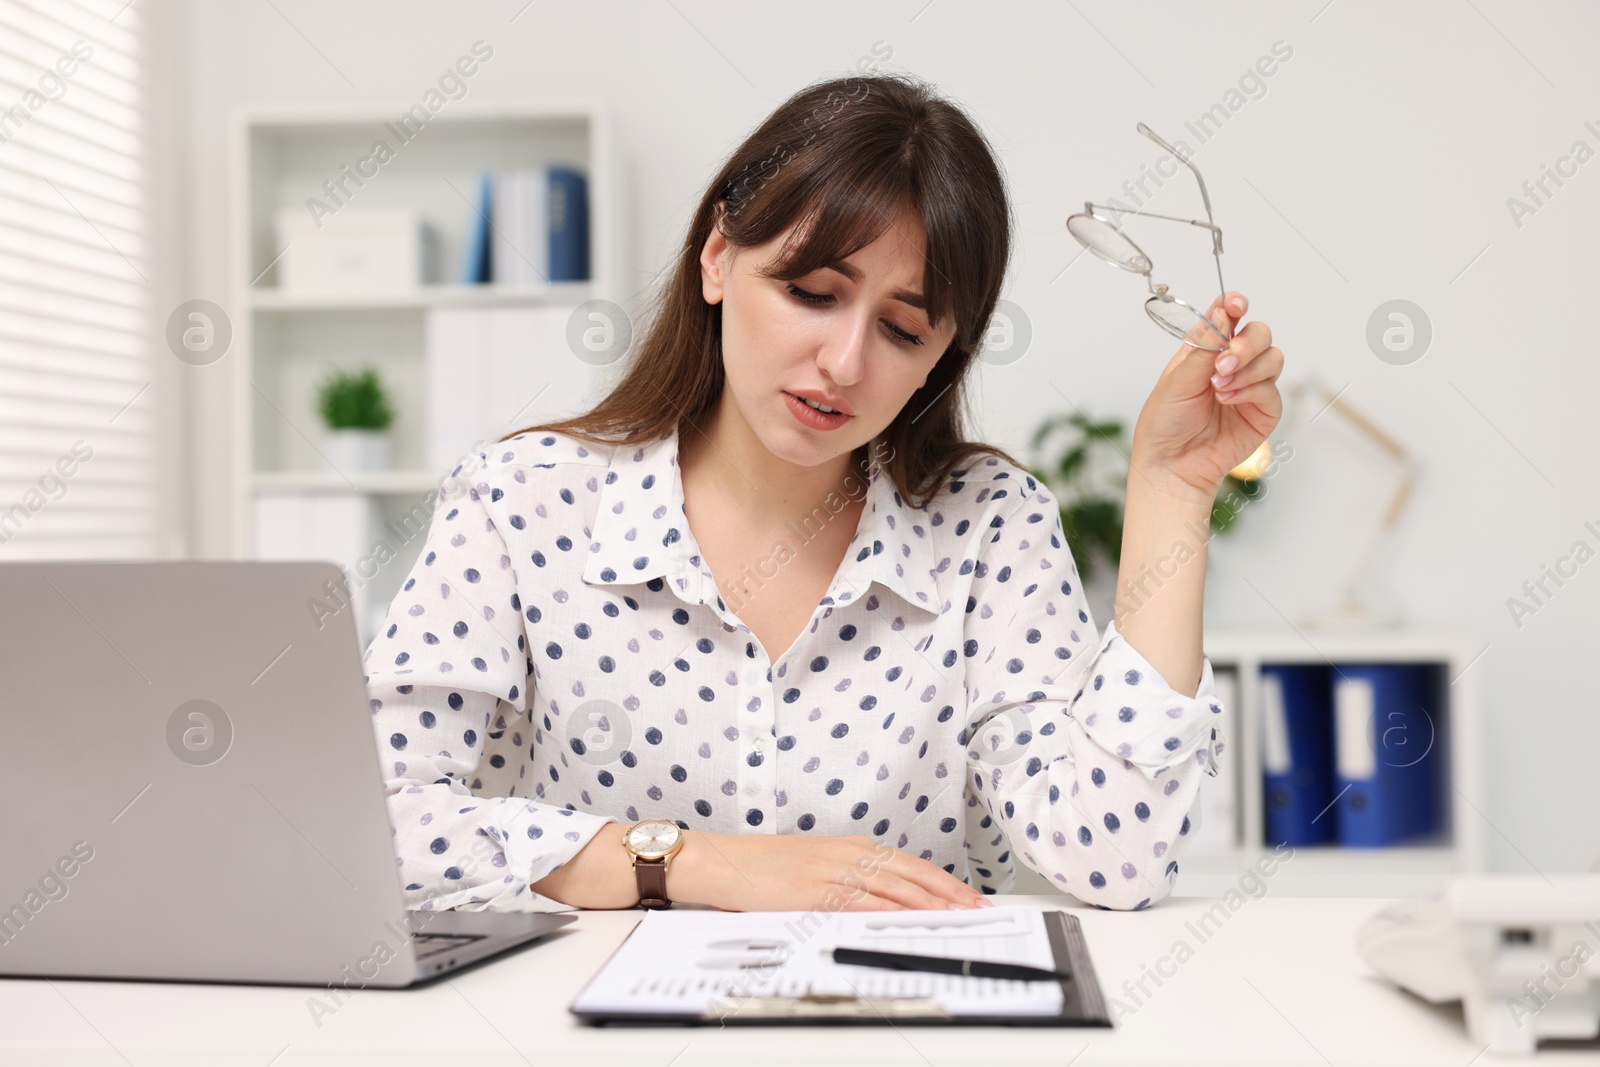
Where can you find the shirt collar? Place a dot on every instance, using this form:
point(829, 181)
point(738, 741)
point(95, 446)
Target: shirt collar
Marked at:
point(640, 533)
point(639, 528)
point(893, 545)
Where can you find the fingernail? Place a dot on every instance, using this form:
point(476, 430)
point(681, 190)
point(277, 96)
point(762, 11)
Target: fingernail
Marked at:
point(1226, 364)
point(1227, 395)
point(958, 907)
point(985, 902)
point(1221, 380)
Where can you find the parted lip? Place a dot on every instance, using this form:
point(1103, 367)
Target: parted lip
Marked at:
point(841, 406)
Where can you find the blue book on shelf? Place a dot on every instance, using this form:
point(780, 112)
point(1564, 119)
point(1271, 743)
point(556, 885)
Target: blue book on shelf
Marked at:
point(568, 215)
point(475, 255)
point(1389, 752)
point(1297, 754)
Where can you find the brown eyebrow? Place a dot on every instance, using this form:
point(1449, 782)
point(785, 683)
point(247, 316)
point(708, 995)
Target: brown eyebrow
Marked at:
point(905, 296)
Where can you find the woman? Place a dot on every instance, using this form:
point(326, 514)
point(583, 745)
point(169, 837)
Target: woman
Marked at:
point(767, 591)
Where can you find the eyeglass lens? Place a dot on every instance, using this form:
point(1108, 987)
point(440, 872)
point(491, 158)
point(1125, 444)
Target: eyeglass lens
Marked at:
point(1185, 322)
point(1107, 242)
point(1171, 314)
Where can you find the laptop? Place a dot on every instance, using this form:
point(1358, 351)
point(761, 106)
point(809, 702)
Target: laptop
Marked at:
point(191, 787)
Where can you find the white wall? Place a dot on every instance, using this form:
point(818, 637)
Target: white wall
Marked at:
point(1377, 165)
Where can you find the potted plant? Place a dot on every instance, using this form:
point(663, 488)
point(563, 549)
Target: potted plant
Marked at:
point(357, 415)
point(1086, 470)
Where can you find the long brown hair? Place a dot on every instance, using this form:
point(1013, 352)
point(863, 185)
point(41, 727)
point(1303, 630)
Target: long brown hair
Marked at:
point(841, 157)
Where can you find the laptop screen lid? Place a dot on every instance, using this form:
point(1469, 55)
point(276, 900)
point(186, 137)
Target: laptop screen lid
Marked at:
point(192, 789)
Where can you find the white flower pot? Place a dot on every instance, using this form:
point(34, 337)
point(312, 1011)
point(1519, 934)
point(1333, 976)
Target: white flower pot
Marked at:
point(357, 451)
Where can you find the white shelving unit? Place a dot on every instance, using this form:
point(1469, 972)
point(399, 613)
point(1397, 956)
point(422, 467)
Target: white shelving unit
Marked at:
point(288, 341)
point(1410, 869)
point(1333, 870)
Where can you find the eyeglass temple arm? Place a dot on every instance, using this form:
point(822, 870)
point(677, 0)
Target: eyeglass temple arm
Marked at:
point(1216, 234)
point(1181, 158)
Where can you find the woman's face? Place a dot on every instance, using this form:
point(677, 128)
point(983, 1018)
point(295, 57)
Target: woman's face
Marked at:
point(849, 337)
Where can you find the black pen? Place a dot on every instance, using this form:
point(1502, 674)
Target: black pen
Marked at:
point(901, 961)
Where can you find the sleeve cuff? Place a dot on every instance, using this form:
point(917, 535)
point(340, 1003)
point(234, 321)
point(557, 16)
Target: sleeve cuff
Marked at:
point(533, 839)
point(1127, 708)
point(538, 839)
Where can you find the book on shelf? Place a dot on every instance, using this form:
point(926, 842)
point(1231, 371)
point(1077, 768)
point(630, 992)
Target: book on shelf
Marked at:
point(475, 260)
point(1297, 754)
point(1388, 752)
point(1352, 753)
point(568, 222)
point(539, 226)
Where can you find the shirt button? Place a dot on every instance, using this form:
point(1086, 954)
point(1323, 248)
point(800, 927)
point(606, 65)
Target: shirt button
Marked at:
point(760, 743)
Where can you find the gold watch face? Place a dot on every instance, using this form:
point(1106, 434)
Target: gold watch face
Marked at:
point(652, 838)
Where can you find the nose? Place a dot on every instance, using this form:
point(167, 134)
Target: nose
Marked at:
point(843, 356)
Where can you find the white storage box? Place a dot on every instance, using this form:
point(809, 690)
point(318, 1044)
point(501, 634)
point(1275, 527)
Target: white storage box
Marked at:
point(353, 251)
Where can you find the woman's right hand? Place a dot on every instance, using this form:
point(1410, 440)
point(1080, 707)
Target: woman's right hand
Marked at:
point(789, 872)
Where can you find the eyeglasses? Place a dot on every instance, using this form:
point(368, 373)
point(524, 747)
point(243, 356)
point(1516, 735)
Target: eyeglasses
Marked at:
point(1101, 236)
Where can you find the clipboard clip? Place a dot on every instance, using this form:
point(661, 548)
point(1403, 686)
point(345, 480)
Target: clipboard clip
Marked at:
point(827, 1006)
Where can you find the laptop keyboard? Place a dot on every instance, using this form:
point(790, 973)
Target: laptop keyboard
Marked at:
point(433, 944)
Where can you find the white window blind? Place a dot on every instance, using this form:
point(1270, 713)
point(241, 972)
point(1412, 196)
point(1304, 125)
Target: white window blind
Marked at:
point(77, 441)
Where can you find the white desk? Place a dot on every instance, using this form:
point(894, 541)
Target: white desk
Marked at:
point(1276, 982)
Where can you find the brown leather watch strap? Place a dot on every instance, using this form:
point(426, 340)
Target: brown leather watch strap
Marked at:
point(652, 875)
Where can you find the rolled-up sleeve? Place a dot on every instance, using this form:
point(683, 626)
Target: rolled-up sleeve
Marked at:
point(447, 672)
point(1076, 745)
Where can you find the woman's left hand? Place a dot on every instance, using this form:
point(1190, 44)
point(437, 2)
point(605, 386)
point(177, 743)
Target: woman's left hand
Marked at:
point(1210, 410)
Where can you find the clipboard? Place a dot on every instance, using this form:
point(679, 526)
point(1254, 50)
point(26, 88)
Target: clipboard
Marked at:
point(1082, 1000)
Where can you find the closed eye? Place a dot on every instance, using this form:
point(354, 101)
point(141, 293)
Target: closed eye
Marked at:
point(907, 339)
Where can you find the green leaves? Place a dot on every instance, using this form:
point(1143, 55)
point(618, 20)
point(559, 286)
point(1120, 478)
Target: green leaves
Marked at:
point(354, 401)
point(1087, 470)
point(1087, 476)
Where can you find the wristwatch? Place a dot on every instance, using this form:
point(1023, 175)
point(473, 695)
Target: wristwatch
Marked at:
point(652, 843)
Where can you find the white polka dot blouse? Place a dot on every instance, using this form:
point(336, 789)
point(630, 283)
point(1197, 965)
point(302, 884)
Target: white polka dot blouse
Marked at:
point(560, 657)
